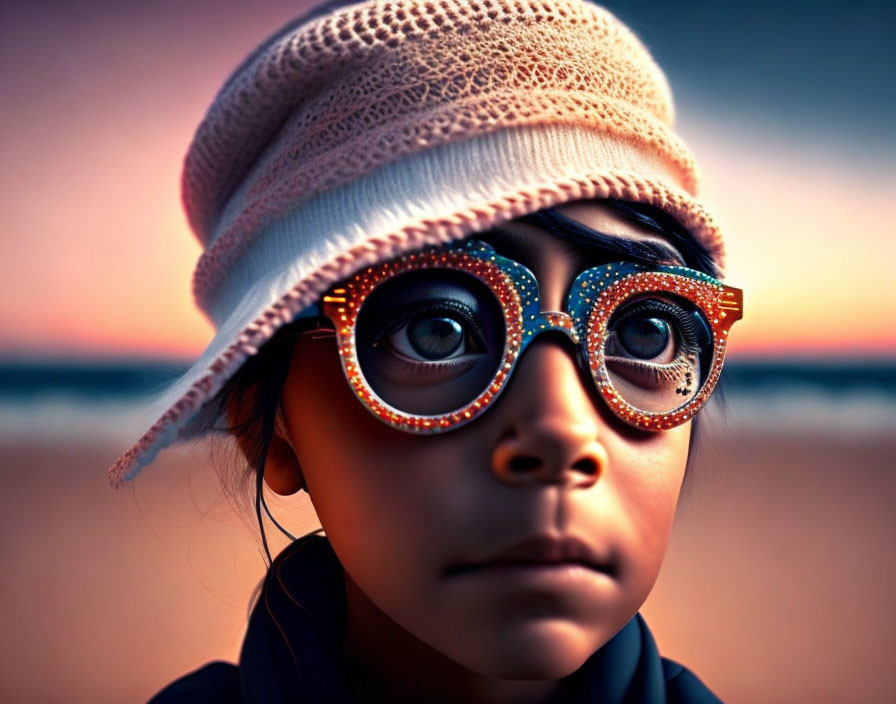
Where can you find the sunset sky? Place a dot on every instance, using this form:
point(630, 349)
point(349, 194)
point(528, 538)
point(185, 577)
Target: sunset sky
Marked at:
point(790, 128)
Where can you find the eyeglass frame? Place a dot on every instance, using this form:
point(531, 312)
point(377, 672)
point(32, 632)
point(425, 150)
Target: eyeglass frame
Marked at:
point(593, 297)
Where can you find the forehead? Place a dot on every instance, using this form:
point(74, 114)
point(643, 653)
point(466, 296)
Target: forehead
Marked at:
point(603, 218)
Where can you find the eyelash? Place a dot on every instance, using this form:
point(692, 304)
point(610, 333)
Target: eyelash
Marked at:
point(411, 369)
point(669, 372)
point(404, 315)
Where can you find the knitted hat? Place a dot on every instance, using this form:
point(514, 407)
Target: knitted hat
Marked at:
point(381, 127)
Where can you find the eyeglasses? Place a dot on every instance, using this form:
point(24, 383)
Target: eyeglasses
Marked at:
point(429, 340)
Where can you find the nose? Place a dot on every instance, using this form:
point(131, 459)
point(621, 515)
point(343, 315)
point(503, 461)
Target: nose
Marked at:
point(552, 433)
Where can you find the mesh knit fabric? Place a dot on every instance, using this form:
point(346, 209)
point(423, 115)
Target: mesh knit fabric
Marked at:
point(377, 81)
point(323, 123)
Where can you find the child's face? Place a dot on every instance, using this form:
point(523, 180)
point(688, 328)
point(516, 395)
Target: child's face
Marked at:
point(403, 511)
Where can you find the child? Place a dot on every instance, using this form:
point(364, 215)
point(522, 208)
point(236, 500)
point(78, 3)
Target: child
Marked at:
point(465, 299)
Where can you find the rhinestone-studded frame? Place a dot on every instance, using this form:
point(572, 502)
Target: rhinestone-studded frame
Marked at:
point(595, 294)
point(512, 284)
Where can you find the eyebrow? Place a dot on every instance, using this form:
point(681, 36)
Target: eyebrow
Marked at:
point(598, 244)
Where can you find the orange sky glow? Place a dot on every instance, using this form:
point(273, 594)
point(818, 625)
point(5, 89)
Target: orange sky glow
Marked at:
point(98, 255)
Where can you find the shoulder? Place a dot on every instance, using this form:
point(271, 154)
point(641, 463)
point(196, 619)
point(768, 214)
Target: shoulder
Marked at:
point(683, 686)
point(215, 682)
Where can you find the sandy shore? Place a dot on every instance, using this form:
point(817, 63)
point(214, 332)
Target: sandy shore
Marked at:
point(777, 587)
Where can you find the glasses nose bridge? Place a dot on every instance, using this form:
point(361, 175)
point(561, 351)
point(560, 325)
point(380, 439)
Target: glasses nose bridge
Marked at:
point(549, 321)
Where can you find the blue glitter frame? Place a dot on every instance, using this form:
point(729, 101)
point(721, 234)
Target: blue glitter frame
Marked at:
point(593, 296)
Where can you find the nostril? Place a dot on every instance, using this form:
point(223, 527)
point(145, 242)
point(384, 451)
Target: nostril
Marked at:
point(587, 466)
point(523, 463)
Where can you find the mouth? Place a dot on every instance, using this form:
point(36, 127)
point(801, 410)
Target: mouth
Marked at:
point(539, 555)
point(521, 568)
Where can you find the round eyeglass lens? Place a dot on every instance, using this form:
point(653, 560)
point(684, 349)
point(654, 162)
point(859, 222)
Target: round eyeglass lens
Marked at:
point(430, 341)
point(658, 351)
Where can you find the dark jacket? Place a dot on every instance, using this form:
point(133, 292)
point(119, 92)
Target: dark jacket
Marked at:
point(307, 669)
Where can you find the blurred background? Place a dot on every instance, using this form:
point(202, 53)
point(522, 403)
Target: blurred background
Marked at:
point(778, 583)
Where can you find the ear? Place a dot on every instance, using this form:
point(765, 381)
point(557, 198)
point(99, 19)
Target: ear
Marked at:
point(282, 471)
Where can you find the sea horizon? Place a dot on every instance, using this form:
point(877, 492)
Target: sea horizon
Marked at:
point(96, 399)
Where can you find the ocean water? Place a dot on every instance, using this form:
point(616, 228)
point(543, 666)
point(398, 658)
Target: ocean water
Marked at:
point(80, 401)
point(845, 397)
point(94, 400)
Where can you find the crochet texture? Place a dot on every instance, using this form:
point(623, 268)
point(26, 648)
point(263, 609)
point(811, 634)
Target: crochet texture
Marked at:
point(322, 104)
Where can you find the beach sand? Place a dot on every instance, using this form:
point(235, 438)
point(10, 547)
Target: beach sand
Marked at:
point(777, 586)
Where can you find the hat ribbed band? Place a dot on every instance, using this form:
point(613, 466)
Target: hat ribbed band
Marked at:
point(430, 197)
point(425, 183)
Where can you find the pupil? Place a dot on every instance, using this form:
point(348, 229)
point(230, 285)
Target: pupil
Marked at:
point(645, 338)
point(435, 338)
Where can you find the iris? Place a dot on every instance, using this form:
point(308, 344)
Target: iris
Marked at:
point(644, 338)
point(435, 338)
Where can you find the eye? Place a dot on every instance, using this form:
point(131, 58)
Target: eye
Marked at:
point(655, 330)
point(428, 341)
point(433, 337)
point(430, 332)
point(657, 351)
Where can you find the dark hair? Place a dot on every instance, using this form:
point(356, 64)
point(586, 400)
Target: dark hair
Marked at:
point(256, 387)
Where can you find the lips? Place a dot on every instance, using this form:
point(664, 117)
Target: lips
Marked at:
point(546, 551)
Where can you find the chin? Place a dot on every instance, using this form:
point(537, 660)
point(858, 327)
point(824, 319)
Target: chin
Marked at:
point(544, 650)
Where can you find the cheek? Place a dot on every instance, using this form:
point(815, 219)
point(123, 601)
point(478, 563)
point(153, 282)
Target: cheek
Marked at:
point(383, 496)
point(644, 483)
